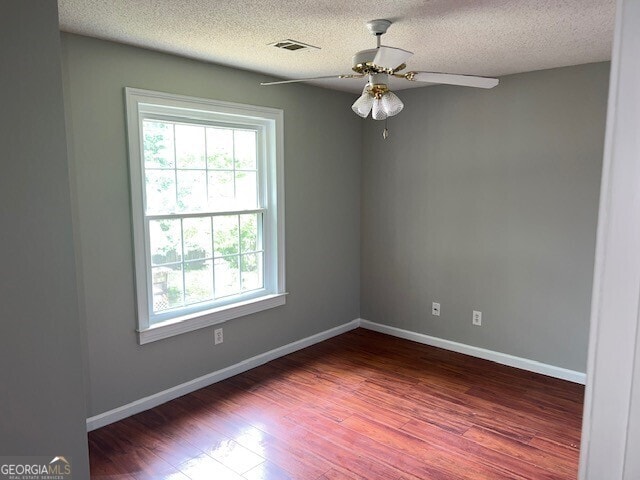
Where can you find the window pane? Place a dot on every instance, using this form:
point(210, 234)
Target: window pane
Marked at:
point(251, 271)
point(161, 191)
point(198, 279)
point(192, 190)
point(227, 276)
point(221, 190)
point(166, 241)
point(167, 287)
point(190, 146)
point(245, 149)
point(249, 233)
point(225, 235)
point(197, 238)
point(246, 189)
point(158, 144)
point(220, 148)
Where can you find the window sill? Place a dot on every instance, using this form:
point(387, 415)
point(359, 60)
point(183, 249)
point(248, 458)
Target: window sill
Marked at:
point(189, 323)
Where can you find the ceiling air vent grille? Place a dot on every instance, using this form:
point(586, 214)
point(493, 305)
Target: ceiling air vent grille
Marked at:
point(293, 45)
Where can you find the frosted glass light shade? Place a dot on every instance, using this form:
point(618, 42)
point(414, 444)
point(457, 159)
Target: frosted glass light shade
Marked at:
point(378, 112)
point(362, 106)
point(391, 104)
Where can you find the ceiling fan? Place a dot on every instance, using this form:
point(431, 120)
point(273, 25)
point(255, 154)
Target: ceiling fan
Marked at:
point(377, 64)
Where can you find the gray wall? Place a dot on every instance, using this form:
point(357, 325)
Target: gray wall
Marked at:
point(479, 200)
point(488, 200)
point(322, 185)
point(41, 397)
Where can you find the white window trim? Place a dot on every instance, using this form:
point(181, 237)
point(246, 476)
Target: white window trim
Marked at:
point(139, 102)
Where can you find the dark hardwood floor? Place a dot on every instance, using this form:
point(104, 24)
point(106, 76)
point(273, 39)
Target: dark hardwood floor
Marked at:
point(359, 406)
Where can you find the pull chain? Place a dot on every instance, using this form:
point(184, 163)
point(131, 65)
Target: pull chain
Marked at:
point(385, 132)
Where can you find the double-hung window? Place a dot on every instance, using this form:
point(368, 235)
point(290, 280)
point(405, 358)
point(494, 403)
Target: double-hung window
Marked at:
point(207, 208)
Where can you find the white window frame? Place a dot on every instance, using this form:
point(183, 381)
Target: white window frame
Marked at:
point(269, 122)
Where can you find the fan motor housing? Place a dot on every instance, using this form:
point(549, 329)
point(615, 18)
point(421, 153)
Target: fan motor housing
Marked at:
point(363, 63)
point(363, 58)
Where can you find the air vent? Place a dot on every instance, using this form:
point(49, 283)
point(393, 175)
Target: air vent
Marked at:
point(293, 45)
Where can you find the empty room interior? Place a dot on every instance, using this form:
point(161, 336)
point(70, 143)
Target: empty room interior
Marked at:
point(320, 240)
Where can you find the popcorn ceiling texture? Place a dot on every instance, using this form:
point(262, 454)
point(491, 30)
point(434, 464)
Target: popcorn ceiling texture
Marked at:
point(475, 37)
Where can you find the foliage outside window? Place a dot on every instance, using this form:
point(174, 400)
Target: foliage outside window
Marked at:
point(207, 208)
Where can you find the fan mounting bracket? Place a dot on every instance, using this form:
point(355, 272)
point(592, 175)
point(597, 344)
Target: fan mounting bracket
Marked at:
point(378, 27)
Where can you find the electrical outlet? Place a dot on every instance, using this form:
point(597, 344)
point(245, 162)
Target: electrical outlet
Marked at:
point(217, 336)
point(477, 318)
point(435, 309)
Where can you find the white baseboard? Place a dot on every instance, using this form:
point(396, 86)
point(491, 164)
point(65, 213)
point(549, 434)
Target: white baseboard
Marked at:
point(502, 358)
point(159, 398)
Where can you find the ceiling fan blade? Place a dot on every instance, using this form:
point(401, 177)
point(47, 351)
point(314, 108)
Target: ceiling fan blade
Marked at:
point(452, 79)
point(390, 57)
point(280, 82)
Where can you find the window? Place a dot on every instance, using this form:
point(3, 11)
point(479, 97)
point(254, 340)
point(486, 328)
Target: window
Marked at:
point(207, 208)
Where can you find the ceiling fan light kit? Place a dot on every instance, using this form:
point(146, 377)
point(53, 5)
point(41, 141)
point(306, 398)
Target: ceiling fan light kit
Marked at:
point(377, 99)
point(377, 64)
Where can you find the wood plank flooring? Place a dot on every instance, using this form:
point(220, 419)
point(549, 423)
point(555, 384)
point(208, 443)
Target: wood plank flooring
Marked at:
point(362, 405)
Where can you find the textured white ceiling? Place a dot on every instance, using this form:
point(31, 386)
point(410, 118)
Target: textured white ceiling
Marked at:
point(475, 37)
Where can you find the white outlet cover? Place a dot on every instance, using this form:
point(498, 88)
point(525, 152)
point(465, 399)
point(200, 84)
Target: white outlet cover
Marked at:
point(218, 336)
point(435, 309)
point(477, 318)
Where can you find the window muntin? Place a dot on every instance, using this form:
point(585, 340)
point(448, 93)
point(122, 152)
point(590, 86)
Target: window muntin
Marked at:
point(207, 207)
